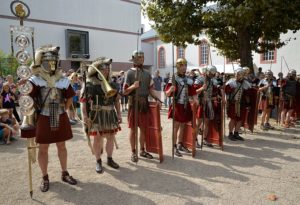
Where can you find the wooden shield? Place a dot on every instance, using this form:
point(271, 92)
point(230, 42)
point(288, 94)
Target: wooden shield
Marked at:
point(252, 110)
point(153, 132)
point(215, 127)
point(189, 137)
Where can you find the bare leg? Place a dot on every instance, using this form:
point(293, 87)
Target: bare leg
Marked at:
point(283, 114)
point(237, 126)
point(142, 138)
point(62, 155)
point(97, 146)
point(288, 116)
point(176, 129)
point(110, 144)
point(263, 117)
point(132, 139)
point(7, 134)
point(231, 125)
point(268, 113)
point(43, 158)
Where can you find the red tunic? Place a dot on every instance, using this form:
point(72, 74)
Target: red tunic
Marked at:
point(44, 135)
point(214, 100)
point(181, 114)
point(144, 118)
point(231, 105)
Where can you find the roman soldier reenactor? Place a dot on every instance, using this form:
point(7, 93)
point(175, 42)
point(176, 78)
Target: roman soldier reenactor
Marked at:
point(139, 85)
point(237, 102)
point(267, 87)
point(100, 109)
point(210, 108)
point(290, 90)
point(52, 94)
point(183, 88)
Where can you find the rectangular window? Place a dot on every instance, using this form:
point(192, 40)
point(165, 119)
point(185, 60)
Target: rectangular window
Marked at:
point(77, 43)
point(268, 56)
point(180, 52)
point(161, 58)
point(204, 54)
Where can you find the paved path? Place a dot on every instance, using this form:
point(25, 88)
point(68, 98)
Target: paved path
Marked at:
point(244, 173)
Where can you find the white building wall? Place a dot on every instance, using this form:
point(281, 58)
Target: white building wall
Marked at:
point(149, 58)
point(112, 25)
point(289, 52)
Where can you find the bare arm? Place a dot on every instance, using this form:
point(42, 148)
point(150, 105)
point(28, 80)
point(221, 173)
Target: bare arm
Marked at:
point(154, 95)
point(131, 88)
point(84, 114)
point(170, 91)
point(118, 108)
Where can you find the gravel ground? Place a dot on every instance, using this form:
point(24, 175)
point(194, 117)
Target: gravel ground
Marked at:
point(267, 164)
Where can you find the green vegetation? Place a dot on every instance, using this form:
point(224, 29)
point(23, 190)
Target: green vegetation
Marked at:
point(235, 27)
point(8, 65)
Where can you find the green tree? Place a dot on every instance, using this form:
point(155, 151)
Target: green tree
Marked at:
point(8, 65)
point(235, 27)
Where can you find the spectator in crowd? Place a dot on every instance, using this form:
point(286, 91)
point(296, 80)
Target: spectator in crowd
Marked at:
point(222, 75)
point(8, 127)
point(167, 99)
point(261, 76)
point(16, 103)
point(4, 129)
point(76, 87)
point(280, 79)
point(7, 98)
point(13, 89)
point(10, 80)
point(157, 83)
point(124, 98)
point(258, 74)
point(219, 79)
point(114, 79)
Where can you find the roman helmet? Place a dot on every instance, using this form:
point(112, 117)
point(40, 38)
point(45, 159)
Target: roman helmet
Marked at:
point(239, 73)
point(292, 74)
point(209, 71)
point(46, 59)
point(137, 57)
point(180, 62)
point(97, 65)
point(246, 70)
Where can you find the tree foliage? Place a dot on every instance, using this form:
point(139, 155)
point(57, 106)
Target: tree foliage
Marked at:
point(235, 27)
point(8, 65)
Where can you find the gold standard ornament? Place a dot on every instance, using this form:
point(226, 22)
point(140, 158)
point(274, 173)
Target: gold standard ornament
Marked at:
point(21, 38)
